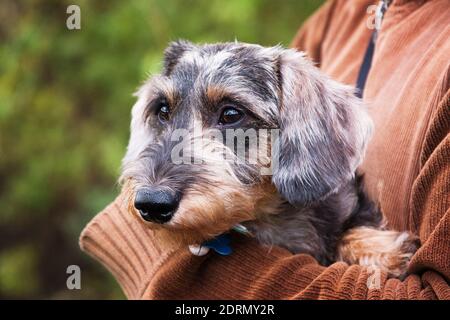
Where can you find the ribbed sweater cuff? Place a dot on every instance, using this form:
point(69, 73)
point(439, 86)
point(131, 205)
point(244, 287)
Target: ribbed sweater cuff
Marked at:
point(125, 247)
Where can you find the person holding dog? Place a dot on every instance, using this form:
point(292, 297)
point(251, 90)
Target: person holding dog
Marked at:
point(403, 76)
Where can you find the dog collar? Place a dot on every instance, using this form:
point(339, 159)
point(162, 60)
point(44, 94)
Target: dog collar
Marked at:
point(220, 244)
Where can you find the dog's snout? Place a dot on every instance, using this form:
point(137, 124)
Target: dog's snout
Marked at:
point(156, 205)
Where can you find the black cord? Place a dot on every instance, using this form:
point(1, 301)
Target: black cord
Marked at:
point(368, 56)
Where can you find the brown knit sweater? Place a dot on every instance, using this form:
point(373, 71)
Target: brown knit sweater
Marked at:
point(407, 170)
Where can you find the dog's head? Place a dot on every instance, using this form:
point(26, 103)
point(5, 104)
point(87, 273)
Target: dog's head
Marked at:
point(204, 137)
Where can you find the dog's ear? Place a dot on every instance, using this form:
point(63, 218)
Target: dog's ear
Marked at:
point(173, 53)
point(324, 130)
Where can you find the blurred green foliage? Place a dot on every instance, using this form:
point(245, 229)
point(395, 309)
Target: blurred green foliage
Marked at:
point(65, 99)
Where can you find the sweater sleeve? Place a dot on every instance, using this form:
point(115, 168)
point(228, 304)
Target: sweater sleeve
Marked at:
point(146, 268)
point(310, 37)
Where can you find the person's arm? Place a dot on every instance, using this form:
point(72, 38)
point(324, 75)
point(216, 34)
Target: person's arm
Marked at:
point(147, 268)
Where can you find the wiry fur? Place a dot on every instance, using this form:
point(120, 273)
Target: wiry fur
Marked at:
point(313, 203)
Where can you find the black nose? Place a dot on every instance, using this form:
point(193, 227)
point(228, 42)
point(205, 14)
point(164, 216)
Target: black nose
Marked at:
point(156, 205)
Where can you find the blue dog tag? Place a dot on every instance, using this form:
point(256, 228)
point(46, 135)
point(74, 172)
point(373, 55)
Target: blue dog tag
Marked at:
point(220, 244)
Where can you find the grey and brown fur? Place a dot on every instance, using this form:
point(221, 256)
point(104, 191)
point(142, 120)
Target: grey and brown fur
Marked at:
point(313, 203)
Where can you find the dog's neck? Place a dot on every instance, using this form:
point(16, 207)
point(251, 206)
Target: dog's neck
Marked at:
point(315, 229)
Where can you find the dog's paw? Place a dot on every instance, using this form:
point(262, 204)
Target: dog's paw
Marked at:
point(394, 260)
point(389, 251)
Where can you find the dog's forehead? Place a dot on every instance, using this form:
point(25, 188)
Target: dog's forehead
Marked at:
point(233, 66)
point(224, 55)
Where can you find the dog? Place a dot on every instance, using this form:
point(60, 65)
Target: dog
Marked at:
point(306, 196)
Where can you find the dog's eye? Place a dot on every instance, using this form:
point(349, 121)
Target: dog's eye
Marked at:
point(230, 115)
point(163, 112)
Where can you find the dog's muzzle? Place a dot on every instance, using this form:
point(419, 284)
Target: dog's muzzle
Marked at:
point(156, 205)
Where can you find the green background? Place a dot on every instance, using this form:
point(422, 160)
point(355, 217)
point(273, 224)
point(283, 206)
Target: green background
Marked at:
point(65, 100)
